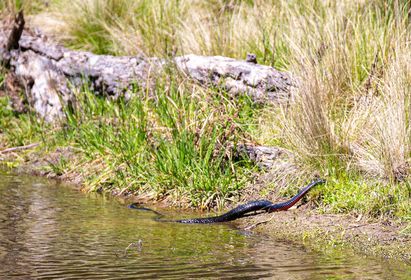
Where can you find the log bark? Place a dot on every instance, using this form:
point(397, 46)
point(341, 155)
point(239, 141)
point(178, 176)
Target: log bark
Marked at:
point(264, 156)
point(50, 73)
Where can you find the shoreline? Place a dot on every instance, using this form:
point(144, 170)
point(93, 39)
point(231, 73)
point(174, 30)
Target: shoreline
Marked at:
point(364, 235)
point(304, 225)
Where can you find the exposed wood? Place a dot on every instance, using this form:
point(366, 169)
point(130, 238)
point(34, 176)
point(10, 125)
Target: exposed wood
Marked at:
point(263, 156)
point(50, 73)
point(13, 39)
point(16, 31)
point(263, 83)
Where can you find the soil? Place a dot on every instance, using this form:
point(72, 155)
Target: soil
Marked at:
point(369, 236)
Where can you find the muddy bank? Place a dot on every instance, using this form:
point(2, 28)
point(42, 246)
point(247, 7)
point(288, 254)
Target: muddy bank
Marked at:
point(377, 237)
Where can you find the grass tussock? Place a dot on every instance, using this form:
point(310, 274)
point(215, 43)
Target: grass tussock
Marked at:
point(176, 143)
point(349, 119)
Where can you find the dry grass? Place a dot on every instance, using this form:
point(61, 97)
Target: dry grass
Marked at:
point(382, 144)
point(30, 7)
point(351, 109)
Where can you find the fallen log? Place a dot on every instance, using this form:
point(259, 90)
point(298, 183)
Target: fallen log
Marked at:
point(265, 157)
point(50, 73)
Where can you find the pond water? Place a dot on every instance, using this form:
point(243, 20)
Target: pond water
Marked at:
point(51, 231)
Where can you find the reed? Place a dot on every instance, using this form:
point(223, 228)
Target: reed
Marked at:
point(177, 143)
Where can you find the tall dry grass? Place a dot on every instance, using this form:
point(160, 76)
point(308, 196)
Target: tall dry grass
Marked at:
point(382, 144)
point(351, 108)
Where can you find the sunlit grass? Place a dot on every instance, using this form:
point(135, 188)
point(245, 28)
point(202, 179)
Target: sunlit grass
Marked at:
point(357, 195)
point(2, 78)
point(178, 143)
point(18, 129)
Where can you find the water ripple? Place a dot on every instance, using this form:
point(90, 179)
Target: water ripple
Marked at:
point(54, 232)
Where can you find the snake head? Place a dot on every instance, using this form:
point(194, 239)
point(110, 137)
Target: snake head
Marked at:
point(320, 181)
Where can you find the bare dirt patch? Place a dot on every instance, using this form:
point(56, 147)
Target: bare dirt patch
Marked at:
point(378, 237)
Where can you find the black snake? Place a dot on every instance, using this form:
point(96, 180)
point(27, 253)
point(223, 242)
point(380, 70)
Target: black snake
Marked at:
point(241, 210)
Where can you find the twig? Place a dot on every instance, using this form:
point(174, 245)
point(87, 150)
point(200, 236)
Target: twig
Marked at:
point(358, 226)
point(138, 245)
point(19, 148)
point(259, 223)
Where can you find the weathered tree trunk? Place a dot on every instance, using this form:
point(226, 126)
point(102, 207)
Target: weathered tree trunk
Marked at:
point(265, 157)
point(49, 73)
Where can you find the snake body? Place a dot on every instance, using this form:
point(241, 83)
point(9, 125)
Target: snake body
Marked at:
point(241, 210)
